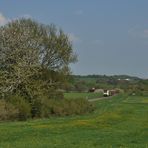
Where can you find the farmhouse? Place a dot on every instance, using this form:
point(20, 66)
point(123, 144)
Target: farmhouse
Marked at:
point(92, 89)
point(110, 92)
point(99, 91)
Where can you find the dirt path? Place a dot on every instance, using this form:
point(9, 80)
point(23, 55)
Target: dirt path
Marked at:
point(97, 99)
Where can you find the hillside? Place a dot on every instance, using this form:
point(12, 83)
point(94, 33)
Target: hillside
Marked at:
point(105, 78)
point(127, 83)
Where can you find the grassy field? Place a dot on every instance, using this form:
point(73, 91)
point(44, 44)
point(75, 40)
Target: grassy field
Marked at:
point(86, 95)
point(120, 122)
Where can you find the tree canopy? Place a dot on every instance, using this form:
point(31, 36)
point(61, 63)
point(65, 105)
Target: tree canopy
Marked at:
point(34, 57)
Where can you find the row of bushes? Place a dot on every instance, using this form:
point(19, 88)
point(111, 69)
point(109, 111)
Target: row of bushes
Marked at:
point(18, 108)
point(67, 107)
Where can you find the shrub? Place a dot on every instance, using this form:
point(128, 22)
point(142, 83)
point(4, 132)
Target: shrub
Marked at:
point(41, 104)
point(24, 107)
point(61, 107)
point(24, 110)
point(20, 109)
point(65, 107)
point(7, 111)
point(36, 108)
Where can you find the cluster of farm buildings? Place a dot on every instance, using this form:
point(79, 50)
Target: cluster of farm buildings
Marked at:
point(105, 92)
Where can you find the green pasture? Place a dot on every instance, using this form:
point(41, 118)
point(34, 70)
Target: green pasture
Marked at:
point(84, 95)
point(119, 122)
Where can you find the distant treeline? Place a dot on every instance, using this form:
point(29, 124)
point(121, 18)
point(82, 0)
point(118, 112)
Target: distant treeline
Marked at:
point(129, 84)
point(108, 77)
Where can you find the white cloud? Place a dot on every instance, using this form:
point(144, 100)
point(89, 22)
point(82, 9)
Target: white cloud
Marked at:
point(73, 38)
point(3, 20)
point(138, 32)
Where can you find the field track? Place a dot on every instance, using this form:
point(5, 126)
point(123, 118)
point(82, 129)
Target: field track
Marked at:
point(97, 99)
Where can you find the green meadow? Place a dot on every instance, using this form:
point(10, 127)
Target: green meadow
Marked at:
point(119, 122)
point(84, 95)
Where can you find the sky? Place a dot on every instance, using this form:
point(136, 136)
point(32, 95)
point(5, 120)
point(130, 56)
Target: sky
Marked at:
point(109, 36)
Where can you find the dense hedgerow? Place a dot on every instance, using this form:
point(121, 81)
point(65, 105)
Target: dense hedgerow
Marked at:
point(66, 107)
point(18, 108)
point(8, 111)
point(61, 107)
point(23, 107)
